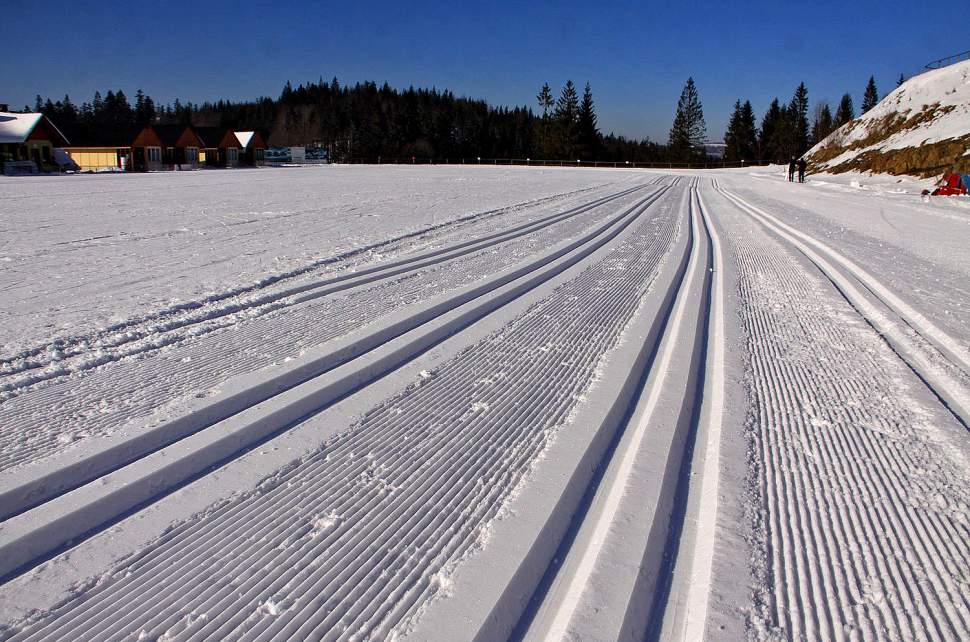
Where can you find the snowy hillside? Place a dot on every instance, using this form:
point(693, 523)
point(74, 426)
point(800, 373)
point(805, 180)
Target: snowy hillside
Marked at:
point(922, 128)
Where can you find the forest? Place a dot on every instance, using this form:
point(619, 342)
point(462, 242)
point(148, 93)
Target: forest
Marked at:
point(370, 122)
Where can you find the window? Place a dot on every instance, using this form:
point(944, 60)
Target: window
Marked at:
point(192, 155)
point(154, 154)
point(233, 154)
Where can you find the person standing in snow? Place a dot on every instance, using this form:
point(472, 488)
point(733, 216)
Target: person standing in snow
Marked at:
point(802, 165)
point(791, 170)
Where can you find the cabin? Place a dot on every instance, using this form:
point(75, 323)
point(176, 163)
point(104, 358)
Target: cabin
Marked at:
point(135, 148)
point(28, 138)
point(181, 146)
point(221, 148)
point(254, 148)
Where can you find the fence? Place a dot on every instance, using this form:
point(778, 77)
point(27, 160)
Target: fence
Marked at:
point(530, 162)
point(949, 60)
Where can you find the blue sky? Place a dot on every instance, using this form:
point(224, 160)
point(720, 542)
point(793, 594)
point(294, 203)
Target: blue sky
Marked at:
point(636, 55)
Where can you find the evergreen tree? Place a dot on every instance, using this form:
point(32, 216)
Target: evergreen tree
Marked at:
point(589, 134)
point(688, 132)
point(798, 113)
point(901, 80)
point(822, 122)
point(566, 117)
point(741, 136)
point(845, 111)
point(38, 104)
point(732, 137)
point(545, 104)
point(871, 96)
point(766, 140)
point(749, 130)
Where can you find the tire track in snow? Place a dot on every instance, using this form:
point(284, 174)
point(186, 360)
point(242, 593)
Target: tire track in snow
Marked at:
point(149, 390)
point(861, 517)
point(352, 541)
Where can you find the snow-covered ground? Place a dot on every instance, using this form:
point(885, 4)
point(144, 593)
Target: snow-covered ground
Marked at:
point(483, 403)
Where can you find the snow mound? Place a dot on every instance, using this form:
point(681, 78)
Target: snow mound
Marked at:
point(922, 128)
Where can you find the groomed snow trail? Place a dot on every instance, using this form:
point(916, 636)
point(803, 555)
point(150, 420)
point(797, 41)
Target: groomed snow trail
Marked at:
point(646, 408)
point(203, 348)
point(353, 540)
point(859, 502)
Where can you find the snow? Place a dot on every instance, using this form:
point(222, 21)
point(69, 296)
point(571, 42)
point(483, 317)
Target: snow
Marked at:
point(372, 403)
point(244, 137)
point(15, 128)
point(947, 90)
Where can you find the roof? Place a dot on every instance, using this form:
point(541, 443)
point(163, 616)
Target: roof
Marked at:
point(170, 134)
point(244, 137)
point(213, 136)
point(16, 128)
point(105, 136)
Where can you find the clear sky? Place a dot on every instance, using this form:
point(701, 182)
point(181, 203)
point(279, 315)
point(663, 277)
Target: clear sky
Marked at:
point(636, 55)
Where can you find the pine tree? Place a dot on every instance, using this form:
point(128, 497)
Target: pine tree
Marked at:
point(845, 112)
point(798, 112)
point(688, 132)
point(822, 122)
point(766, 139)
point(871, 96)
point(140, 106)
point(749, 129)
point(38, 104)
point(566, 117)
point(589, 134)
point(732, 137)
point(545, 104)
point(901, 80)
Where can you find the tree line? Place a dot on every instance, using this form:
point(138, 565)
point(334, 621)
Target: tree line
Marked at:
point(370, 121)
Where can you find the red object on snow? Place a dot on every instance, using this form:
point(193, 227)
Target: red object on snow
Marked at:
point(952, 185)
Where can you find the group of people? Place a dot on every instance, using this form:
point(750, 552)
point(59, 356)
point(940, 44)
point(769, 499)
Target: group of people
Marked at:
point(800, 165)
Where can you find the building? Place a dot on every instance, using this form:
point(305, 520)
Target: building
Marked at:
point(181, 146)
point(135, 148)
point(28, 138)
point(221, 148)
point(254, 148)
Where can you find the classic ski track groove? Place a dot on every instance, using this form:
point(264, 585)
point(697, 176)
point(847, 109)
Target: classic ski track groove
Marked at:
point(173, 326)
point(344, 531)
point(862, 532)
point(938, 359)
point(582, 562)
point(110, 491)
point(19, 362)
point(27, 435)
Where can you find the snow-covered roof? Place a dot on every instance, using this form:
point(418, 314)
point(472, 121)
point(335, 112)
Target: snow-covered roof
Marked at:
point(15, 128)
point(244, 137)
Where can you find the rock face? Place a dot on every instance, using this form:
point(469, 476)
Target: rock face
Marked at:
point(922, 128)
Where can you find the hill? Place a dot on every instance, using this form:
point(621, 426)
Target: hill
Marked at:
point(922, 128)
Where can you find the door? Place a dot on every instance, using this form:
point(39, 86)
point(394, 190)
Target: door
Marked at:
point(138, 162)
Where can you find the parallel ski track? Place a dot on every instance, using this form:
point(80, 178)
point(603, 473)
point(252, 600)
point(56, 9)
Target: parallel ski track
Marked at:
point(171, 325)
point(95, 405)
point(936, 358)
point(352, 541)
point(618, 484)
point(863, 520)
